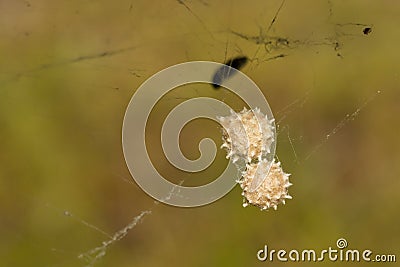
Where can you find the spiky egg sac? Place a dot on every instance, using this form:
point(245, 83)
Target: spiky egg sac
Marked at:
point(272, 191)
point(248, 135)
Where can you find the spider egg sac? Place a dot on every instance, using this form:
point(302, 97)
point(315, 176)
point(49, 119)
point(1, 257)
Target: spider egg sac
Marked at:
point(272, 191)
point(248, 135)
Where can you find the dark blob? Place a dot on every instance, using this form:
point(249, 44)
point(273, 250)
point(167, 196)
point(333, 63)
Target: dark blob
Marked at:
point(237, 62)
point(226, 71)
point(367, 30)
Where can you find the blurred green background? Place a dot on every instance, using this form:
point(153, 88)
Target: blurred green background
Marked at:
point(69, 68)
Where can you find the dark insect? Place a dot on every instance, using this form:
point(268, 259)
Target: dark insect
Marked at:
point(225, 72)
point(367, 30)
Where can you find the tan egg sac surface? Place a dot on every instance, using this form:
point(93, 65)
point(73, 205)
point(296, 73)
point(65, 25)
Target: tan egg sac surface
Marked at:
point(248, 135)
point(272, 191)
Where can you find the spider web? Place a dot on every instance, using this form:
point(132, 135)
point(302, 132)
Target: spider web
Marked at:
point(215, 32)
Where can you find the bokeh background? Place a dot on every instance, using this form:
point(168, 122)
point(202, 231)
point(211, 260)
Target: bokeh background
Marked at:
point(69, 68)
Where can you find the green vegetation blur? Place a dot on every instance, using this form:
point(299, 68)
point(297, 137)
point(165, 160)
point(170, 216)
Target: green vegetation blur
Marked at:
point(69, 68)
